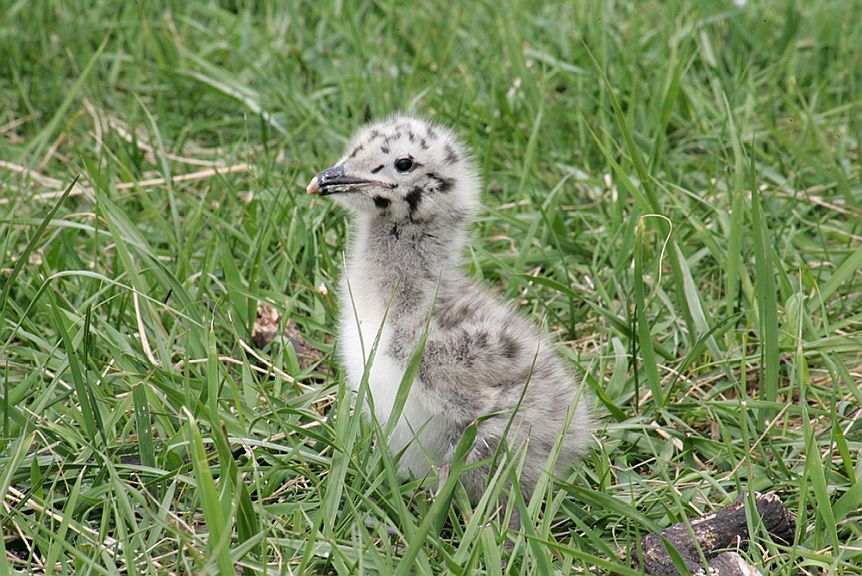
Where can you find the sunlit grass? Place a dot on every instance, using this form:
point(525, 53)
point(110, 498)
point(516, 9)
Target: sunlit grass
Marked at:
point(672, 189)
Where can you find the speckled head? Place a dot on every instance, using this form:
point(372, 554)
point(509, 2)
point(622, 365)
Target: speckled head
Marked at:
point(403, 168)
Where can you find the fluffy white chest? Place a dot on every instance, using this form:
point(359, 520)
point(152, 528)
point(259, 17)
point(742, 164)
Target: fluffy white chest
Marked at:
point(362, 319)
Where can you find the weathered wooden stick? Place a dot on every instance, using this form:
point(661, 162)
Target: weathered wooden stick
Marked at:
point(715, 533)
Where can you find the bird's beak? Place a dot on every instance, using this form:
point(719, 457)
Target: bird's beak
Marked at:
point(333, 180)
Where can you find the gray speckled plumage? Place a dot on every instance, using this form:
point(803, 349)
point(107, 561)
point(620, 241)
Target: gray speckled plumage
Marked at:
point(407, 238)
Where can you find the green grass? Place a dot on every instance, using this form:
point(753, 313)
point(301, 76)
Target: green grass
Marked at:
point(673, 188)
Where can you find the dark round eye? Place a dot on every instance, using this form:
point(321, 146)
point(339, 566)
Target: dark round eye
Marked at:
point(403, 164)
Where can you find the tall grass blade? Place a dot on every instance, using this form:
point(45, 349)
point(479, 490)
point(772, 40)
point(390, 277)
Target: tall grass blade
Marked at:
point(79, 380)
point(218, 543)
point(644, 333)
point(767, 302)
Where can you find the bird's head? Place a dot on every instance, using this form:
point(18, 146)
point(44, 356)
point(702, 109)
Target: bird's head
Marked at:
point(403, 168)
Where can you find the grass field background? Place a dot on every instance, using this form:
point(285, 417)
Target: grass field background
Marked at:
point(672, 188)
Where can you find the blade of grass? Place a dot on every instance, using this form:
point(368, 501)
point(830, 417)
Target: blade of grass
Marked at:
point(247, 522)
point(848, 268)
point(37, 146)
point(441, 502)
point(737, 215)
point(767, 304)
point(695, 306)
point(82, 386)
point(634, 151)
point(849, 502)
point(143, 426)
point(59, 537)
point(218, 543)
point(644, 333)
point(24, 258)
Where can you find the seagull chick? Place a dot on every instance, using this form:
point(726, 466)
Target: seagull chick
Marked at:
point(412, 188)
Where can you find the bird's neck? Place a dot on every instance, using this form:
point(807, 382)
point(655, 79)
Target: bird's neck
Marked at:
point(410, 260)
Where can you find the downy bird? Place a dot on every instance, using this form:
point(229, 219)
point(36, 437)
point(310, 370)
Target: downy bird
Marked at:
point(412, 188)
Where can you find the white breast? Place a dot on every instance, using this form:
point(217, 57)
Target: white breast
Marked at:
point(362, 317)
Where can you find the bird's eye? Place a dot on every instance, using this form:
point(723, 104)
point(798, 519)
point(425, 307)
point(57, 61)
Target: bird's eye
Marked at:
point(403, 164)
